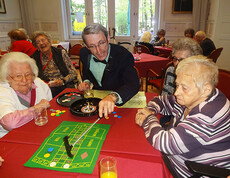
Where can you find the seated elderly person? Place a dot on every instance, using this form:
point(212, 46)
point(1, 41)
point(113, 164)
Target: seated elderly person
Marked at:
point(145, 40)
point(54, 65)
point(159, 40)
point(21, 92)
point(20, 43)
point(206, 44)
point(200, 129)
point(189, 32)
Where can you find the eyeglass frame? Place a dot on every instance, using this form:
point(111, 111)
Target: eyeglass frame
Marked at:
point(99, 45)
point(43, 40)
point(175, 59)
point(21, 76)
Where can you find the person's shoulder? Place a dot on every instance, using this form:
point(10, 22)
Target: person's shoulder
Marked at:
point(39, 82)
point(5, 88)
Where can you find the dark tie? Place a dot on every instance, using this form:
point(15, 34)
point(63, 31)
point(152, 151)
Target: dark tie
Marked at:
point(97, 60)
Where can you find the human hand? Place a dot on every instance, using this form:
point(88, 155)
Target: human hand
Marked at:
point(42, 104)
point(162, 38)
point(141, 115)
point(106, 105)
point(55, 83)
point(83, 86)
point(1, 160)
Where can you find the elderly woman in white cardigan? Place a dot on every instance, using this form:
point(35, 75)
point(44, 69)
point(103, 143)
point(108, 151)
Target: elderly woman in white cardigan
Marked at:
point(21, 92)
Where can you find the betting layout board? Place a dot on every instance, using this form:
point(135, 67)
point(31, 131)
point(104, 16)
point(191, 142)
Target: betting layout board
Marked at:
point(52, 153)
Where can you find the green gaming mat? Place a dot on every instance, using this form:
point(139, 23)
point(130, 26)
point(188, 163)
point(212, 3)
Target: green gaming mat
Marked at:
point(52, 153)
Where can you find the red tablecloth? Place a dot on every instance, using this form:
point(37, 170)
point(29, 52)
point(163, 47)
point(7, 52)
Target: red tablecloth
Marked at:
point(162, 50)
point(16, 154)
point(149, 61)
point(125, 141)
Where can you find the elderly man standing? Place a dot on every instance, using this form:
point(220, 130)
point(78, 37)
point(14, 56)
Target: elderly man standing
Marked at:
point(108, 67)
point(199, 130)
point(21, 91)
point(206, 44)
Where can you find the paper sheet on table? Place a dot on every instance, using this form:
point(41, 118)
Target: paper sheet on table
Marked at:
point(137, 101)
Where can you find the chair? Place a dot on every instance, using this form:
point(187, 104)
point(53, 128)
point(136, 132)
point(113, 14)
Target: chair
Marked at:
point(215, 54)
point(127, 45)
point(144, 49)
point(199, 170)
point(141, 81)
point(224, 82)
point(74, 53)
point(156, 80)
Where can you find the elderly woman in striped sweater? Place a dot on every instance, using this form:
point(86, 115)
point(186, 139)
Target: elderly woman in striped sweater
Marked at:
point(200, 129)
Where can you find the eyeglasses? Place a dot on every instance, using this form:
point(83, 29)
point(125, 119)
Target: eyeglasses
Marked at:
point(19, 77)
point(99, 45)
point(43, 40)
point(175, 59)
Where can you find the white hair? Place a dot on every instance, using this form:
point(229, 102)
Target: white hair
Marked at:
point(12, 58)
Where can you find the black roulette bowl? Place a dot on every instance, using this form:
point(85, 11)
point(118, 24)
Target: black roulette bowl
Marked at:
point(85, 107)
point(66, 99)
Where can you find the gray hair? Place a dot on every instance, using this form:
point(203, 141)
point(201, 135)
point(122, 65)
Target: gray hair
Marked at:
point(206, 70)
point(14, 58)
point(94, 28)
point(187, 44)
point(40, 33)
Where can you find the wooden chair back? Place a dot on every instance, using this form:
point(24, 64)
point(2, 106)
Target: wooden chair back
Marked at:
point(156, 80)
point(215, 54)
point(75, 49)
point(144, 49)
point(224, 82)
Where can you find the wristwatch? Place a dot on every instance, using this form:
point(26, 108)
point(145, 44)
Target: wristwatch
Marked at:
point(116, 96)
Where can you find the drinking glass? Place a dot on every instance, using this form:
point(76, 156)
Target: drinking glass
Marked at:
point(108, 168)
point(139, 53)
point(40, 117)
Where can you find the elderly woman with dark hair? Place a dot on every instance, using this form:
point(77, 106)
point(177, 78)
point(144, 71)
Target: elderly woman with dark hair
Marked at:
point(20, 43)
point(189, 32)
point(200, 128)
point(54, 65)
point(21, 92)
point(159, 40)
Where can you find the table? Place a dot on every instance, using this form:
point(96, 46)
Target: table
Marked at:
point(162, 50)
point(149, 61)
point(64, 44)
point(125, 141)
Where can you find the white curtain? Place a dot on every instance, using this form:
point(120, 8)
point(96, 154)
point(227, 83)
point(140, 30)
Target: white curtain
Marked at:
point(200, 14)
point(27, 15)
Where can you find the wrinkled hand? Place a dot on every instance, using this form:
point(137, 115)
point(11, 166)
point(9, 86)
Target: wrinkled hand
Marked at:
point(106, 105)
point(1, 160)
point(42, 104)
point(55, 83)
point(83, 86)
point(141, 115)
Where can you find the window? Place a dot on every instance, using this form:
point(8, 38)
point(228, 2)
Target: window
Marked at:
point(146, 17)
point(128, 18)
point(77, 16)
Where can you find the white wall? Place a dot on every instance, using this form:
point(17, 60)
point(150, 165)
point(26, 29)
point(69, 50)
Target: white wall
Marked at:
point(11, 20)
point(47, 16)
point(219, 28)
point(174, 24)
